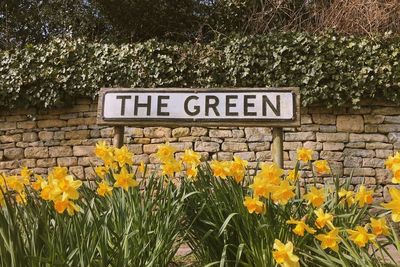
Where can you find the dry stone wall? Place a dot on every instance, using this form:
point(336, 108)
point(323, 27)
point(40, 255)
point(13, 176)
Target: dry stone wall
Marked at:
point(354, 141)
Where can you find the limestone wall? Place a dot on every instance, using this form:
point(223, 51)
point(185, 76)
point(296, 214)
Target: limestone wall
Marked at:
point(355, 141)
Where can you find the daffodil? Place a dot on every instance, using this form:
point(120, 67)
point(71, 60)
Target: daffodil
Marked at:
point(394, 204)
point(283, 254)
point(39, 183)
point(292, 176)
point(254, 205)
point(321, 166)
point(238, 169)
point(379, 226)
point(20, 198)
point(392, 160)
point(123, 156)
point(191, 172)
point(283, 193)
point(101, 171)
point(62, 205)
point(58, 173)
point(26, 173)
point(360, 236)
point(346, 196)
point(330, 240)
point(142, 168)
point(220, 169)
point(323, 219)
point(304, 154)
point(316, 197)
point(16, 183)
point(271, 173)
point(69, 187)
point(364, 196)
point(104, 189)
point(165, 152)
point(300, 227)
point(191, 158)
point(124, 179)
point(171, 167)
point(104, 152)
point(396, 173)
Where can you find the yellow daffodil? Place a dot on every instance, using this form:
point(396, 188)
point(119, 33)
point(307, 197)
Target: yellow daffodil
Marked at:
point(394, 204)
point(62, 205)
point(261, 187)
point(142, 168)
point(165, 152)
point(101, 171)
point(104, 189)
point(254, 205)
point(283, 193)
point(26, 173)
point(220, 169)
point(171, 167)
point(271, 173)
point(292, 176)
point(321, 166)
point(323, 219)
point(104, 152)
point(330, 240)
point(123, 156)
point(301, 226)
point(364, 196)
point(316, 197)
point(304, 154)
point(391, 160)
point(191, 158)
point(124, 179)
point(396, 173)
point(20, 198)
point(346, 197)
point(238, 169)
point(283, 254)
point(69, 187)
point(360, 236)
point(16, 183)
point(39, 183)
point(379, 226)
point(191, 172)
point(58, 173)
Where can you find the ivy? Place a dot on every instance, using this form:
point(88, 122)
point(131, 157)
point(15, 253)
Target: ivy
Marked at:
point(329, 69)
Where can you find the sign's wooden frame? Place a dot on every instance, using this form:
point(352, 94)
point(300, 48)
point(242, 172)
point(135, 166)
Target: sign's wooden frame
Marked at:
point(295, 122)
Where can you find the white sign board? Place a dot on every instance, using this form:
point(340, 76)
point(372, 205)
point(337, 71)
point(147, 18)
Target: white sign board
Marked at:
point(220, 107)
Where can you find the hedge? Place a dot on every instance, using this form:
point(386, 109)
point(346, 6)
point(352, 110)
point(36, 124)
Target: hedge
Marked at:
point(329, 69)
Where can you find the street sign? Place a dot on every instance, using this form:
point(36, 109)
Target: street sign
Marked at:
point(264, 107)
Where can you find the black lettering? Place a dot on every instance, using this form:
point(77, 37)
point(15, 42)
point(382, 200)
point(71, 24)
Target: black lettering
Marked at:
point(196, 108)
point(247, 105)
point(146, 105)
point(212, 105)
point(230, 105)
point(123, 99)
point(160, 105)
point(276, 110)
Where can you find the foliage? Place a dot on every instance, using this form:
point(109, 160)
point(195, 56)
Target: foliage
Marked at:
point(329, 69)
point(139, 225)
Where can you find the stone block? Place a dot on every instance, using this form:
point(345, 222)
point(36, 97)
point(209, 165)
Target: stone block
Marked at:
point(237, 133)
point(292, 145)
point(51, 123)
point(316, 146)
point(306, 119)
point(26, 125)
point(77, 171)
point(374, 119)
point(234, 147)
point(333, 146)
point(60, 151)
point(383, 153)
point(46, 136)
point(324, 118)
point(388, 128)
point(263, 156)
point(332, 155)
point(355, 145)
point(157, 132)
point(359, 171)
point(368, 138)
point(67, 161)
point(198, 131)
point(300, 136)
point(29, 137)
point(10, 138)
point(135, 149)
point(353, 152)
point(107, 132)
point(383, 176)
point(220, 133)
point(45, 163)
point(259, 146)
point(206, 146)
point(36, 152)
point(223, 156)
point(13, 153)
point(88, 161)
point(332, 137)
point(249, 156)
point(139, 158)
point(81, 121)
point(373, 162)
point(327, 128)
point(353, 162)
point(80, 134)
point(12, 164)
point(386, 110)
point(350, 123)
point(30, 163)
point(370, 128)
point(378, 145)
point(4, 126)
point(80, 151)
point(259, 134)
point(180, 132)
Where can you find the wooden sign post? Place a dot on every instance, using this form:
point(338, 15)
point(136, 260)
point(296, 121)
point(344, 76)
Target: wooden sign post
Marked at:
point(176, 107)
